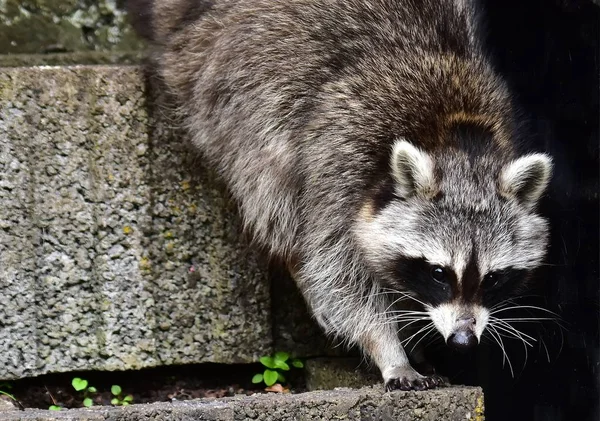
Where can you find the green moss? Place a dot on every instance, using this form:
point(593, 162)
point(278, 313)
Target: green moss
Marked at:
point(41, 26)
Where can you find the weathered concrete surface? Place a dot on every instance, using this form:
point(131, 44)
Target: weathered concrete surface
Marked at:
point(7, 404)
point(452, 404)
point(43, 26)
point(114, 254)
point(331, 373)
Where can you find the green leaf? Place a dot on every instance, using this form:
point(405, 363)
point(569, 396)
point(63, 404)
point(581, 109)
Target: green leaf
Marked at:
point(79, 384)
point(267, 362)
point(87, 402)
point(257, 378)
point(115, 390)
point(270, 377)
point(2, 392)
point(92, 389)
point(282, 365)
point(54, 408)
point(114, 401)
point(124, 403)
point(128, 398)
point(282, 356)
point(297, 364)
point(280, 378)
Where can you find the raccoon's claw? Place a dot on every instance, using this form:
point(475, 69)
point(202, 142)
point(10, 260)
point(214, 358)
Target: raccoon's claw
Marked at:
point(415, 383)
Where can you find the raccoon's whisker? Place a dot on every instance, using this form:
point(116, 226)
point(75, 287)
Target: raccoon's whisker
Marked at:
point(403, 316)
point(517, 333)
point(401, 313)
point(407, 340)
point(523, 341)
point(507, 325)
point(507, 335)
point(395, 301)
point(389, 291)
point(501, 345)
point(558, 320)
point(491, 331)
point(408, 296)
point(405, 312)
point(431, 329)
point(433, 340)
point(526, 319)
point(400, 320)
point(546, 348)
point(513, 301)
point(386, 291)
point(410, 323)
point(520, 336)
point(405, 319)
point(525, 307)
point(501, 304)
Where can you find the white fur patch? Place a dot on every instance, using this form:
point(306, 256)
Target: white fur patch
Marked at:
point(387, 235)
point(526, 178)
point(482, 316)
point(445, 317)
point(412, 170)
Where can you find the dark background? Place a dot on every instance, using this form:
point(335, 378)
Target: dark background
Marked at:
point(549, 52)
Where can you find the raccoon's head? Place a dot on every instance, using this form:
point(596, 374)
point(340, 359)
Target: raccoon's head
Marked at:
point(458, 231)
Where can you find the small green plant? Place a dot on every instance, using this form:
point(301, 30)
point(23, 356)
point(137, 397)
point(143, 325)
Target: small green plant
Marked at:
point(275, 365)
point(118, 399)
point(81, 385)
point(54, 408)
point(4, 386)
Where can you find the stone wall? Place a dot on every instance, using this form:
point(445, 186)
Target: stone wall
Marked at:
point(118, 250)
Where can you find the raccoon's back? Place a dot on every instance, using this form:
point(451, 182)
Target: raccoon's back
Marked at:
point(285, 51)
point(264, 84)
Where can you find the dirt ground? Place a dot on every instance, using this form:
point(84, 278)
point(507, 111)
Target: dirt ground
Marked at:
point(145, 386)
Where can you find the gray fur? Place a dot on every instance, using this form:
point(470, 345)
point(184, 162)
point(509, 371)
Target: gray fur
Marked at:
point(299, 103)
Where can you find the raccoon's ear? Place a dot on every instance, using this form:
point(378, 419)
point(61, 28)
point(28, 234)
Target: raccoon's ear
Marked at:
point(412, 170)
point(525, 179)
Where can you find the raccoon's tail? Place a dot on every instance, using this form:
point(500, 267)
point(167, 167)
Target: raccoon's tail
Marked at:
point(157, 20)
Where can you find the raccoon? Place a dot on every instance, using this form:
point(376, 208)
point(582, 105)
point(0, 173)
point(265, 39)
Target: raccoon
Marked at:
point(372, 147)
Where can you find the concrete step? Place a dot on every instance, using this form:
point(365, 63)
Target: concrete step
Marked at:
point(118, 250)
point(451, 404)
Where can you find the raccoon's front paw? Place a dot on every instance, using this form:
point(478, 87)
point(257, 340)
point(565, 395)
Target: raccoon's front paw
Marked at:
point(409, 379)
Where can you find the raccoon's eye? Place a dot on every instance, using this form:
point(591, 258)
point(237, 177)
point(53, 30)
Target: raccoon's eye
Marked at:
point(438, 274)
point(491, 280)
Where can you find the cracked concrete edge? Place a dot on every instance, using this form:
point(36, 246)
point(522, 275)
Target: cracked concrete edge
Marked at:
point(370, 403)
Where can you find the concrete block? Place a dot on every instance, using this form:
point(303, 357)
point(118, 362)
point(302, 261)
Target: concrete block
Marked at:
point(451, 404)
point(117, 249)
point(331, 373)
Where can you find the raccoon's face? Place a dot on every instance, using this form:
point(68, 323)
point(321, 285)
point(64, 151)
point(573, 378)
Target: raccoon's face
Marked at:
point(459, 235)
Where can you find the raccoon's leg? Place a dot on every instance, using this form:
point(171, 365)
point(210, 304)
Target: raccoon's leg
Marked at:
point(359, 316)
point(384, 347)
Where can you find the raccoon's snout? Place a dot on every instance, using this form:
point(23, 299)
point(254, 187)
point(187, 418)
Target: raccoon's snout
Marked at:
point(464, 338)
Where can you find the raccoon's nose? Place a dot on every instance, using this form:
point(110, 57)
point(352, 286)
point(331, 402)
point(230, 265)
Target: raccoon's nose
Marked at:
point(462, 340)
